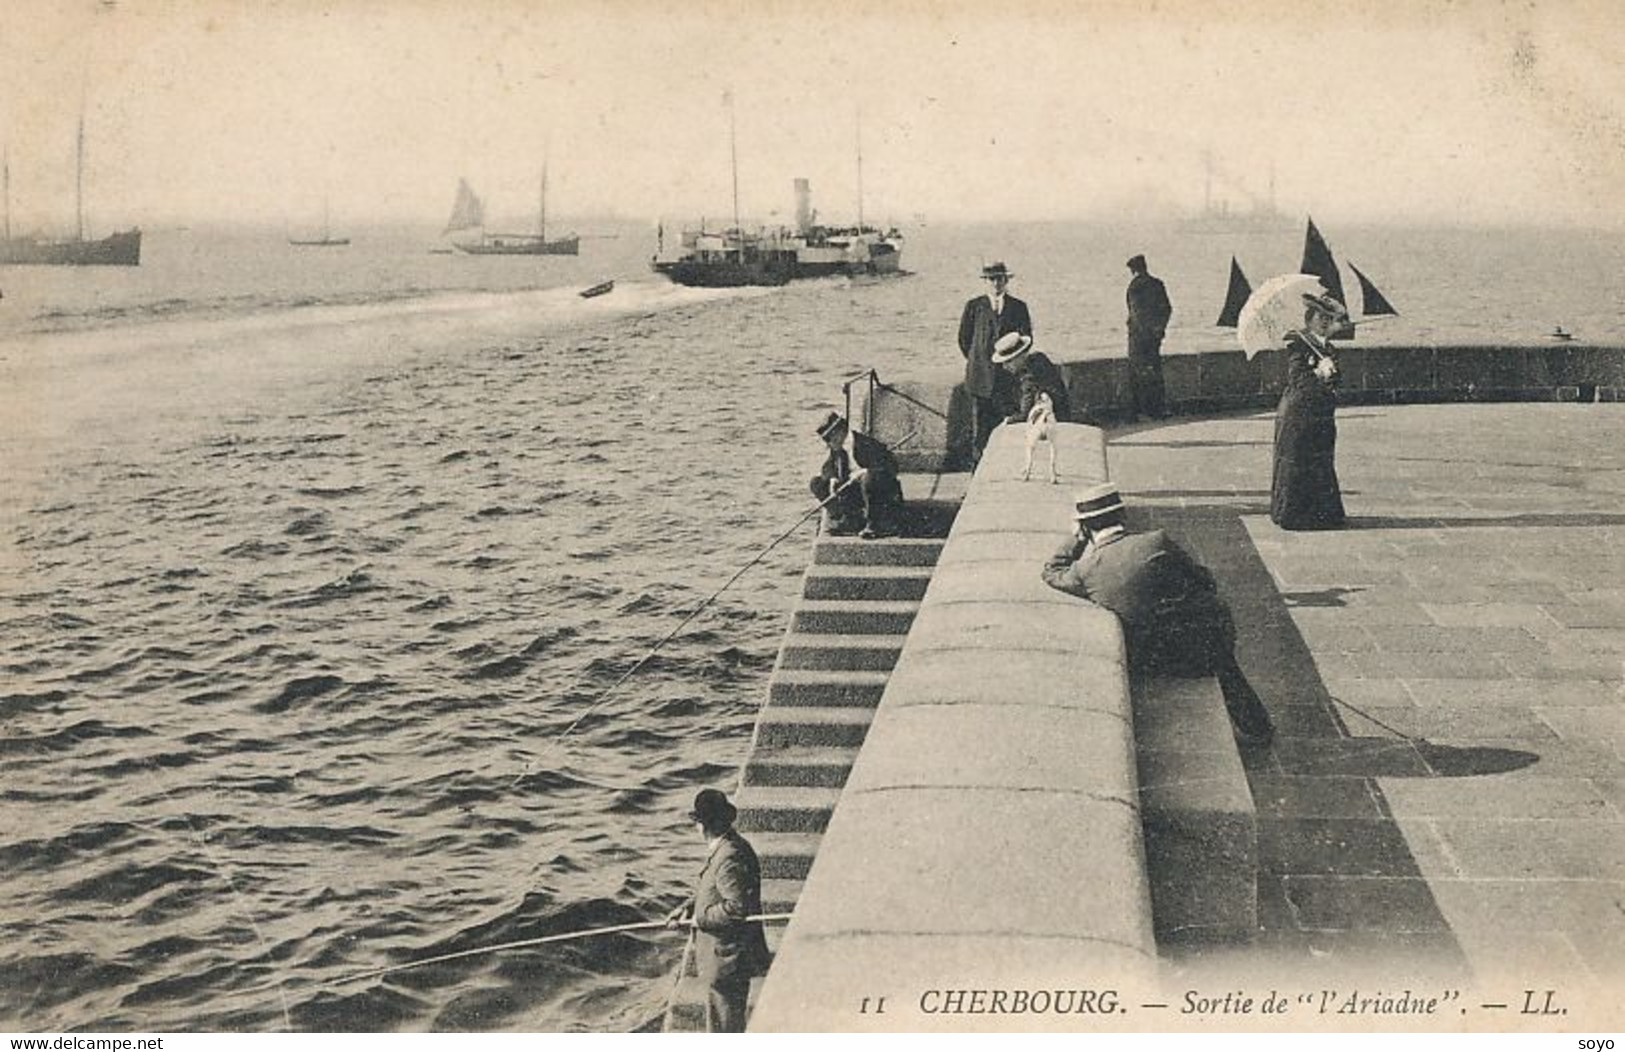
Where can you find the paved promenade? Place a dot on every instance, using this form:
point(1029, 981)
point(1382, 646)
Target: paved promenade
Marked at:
point(1476, 602)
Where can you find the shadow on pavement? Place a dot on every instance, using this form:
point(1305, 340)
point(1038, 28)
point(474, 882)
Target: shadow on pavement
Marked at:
point(1337, 883)
point(1425, 522)
point(1453, 761)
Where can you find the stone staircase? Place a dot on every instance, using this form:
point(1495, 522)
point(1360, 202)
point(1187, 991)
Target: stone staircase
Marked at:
point(858, 601)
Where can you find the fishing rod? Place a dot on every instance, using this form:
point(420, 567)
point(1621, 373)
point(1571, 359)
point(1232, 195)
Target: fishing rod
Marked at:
point(692, 614)
point(521, 944)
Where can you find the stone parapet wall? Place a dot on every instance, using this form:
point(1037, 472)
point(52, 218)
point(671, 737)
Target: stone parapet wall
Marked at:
point(928, 422)
point(989, 836)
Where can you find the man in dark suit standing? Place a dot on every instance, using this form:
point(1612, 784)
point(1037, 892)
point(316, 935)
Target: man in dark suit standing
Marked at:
point(984, 320)
point(873, 502)
point(1173, 619)
point(729, 950)
point(1148, 314)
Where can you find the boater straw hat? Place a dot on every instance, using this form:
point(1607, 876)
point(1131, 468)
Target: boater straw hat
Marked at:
point(997, 270)
point(831, 422)
point(712, 808)
point(1097, 502)
point(1010, 345)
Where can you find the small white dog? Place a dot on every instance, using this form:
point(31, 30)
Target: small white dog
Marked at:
point(1041, 428)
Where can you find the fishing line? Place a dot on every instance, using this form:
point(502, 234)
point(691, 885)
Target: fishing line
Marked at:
point(669, 636)
point(682, 969)
point(555, 741)
point(1367, 716)
point(520, 944)
point(221, 871)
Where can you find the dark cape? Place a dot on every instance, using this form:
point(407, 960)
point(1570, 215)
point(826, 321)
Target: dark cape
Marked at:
point(1036, 374)
point(1304, 494)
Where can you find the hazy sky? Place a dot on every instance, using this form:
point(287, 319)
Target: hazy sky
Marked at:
point(1365, 111)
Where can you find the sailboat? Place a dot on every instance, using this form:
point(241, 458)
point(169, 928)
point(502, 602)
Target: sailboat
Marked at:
point(121, 249)
point(1318, 262)
point(327, 240)
point(1235, 297)
point(468, 215)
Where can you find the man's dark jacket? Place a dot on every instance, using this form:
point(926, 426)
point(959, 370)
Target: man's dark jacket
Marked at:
point(979, 330)
point(1173, 619)
point(1035, 373)
point(1148, 306)
point(728, 947)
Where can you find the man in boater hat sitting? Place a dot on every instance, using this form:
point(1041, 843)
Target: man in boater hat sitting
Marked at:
point(729, 950)
point(862, 474)
point(1035, 374)
point(1174, 622)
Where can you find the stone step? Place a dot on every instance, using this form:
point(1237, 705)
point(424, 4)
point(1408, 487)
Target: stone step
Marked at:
point(870, 652)
point(853, 689)
point(892, 551)
point(804, 766)
point(780, 896)
point(935, 488)
point(1200, 821)
point(686, 1012)
point(826, 617)
point(785, 809)
point(785, 856)
point(782, 726)
point(866, 582)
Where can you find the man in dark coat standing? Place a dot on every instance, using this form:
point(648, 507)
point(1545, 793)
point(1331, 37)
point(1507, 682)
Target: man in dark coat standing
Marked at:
point(984, 320)
point(1174, 622)
point(1148, 314)
point(872, 504)
point(729, 950)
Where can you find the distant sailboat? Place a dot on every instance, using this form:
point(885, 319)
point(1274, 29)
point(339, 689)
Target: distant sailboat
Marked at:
point(468, 215)
point(121, 249)
point(327, 240)
point(1235, 298)
point(1318, 261)
point(1371, 301)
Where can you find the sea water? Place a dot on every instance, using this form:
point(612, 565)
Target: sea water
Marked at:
point(309, 558)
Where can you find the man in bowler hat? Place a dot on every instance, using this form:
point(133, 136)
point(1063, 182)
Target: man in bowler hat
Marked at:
point(1173, 619)
point(1148, 314)
point(729, 950)
point(871, 502)
point(986, 318)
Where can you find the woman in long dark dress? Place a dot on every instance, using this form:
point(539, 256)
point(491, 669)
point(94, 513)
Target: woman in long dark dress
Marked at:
point(1304, 494)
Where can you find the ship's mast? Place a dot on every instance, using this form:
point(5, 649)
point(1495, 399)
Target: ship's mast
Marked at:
point(79, 178)
point(5, 187)
point(733, 153)
point(860, 169)
point(541, 210)
point(1207, 184)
